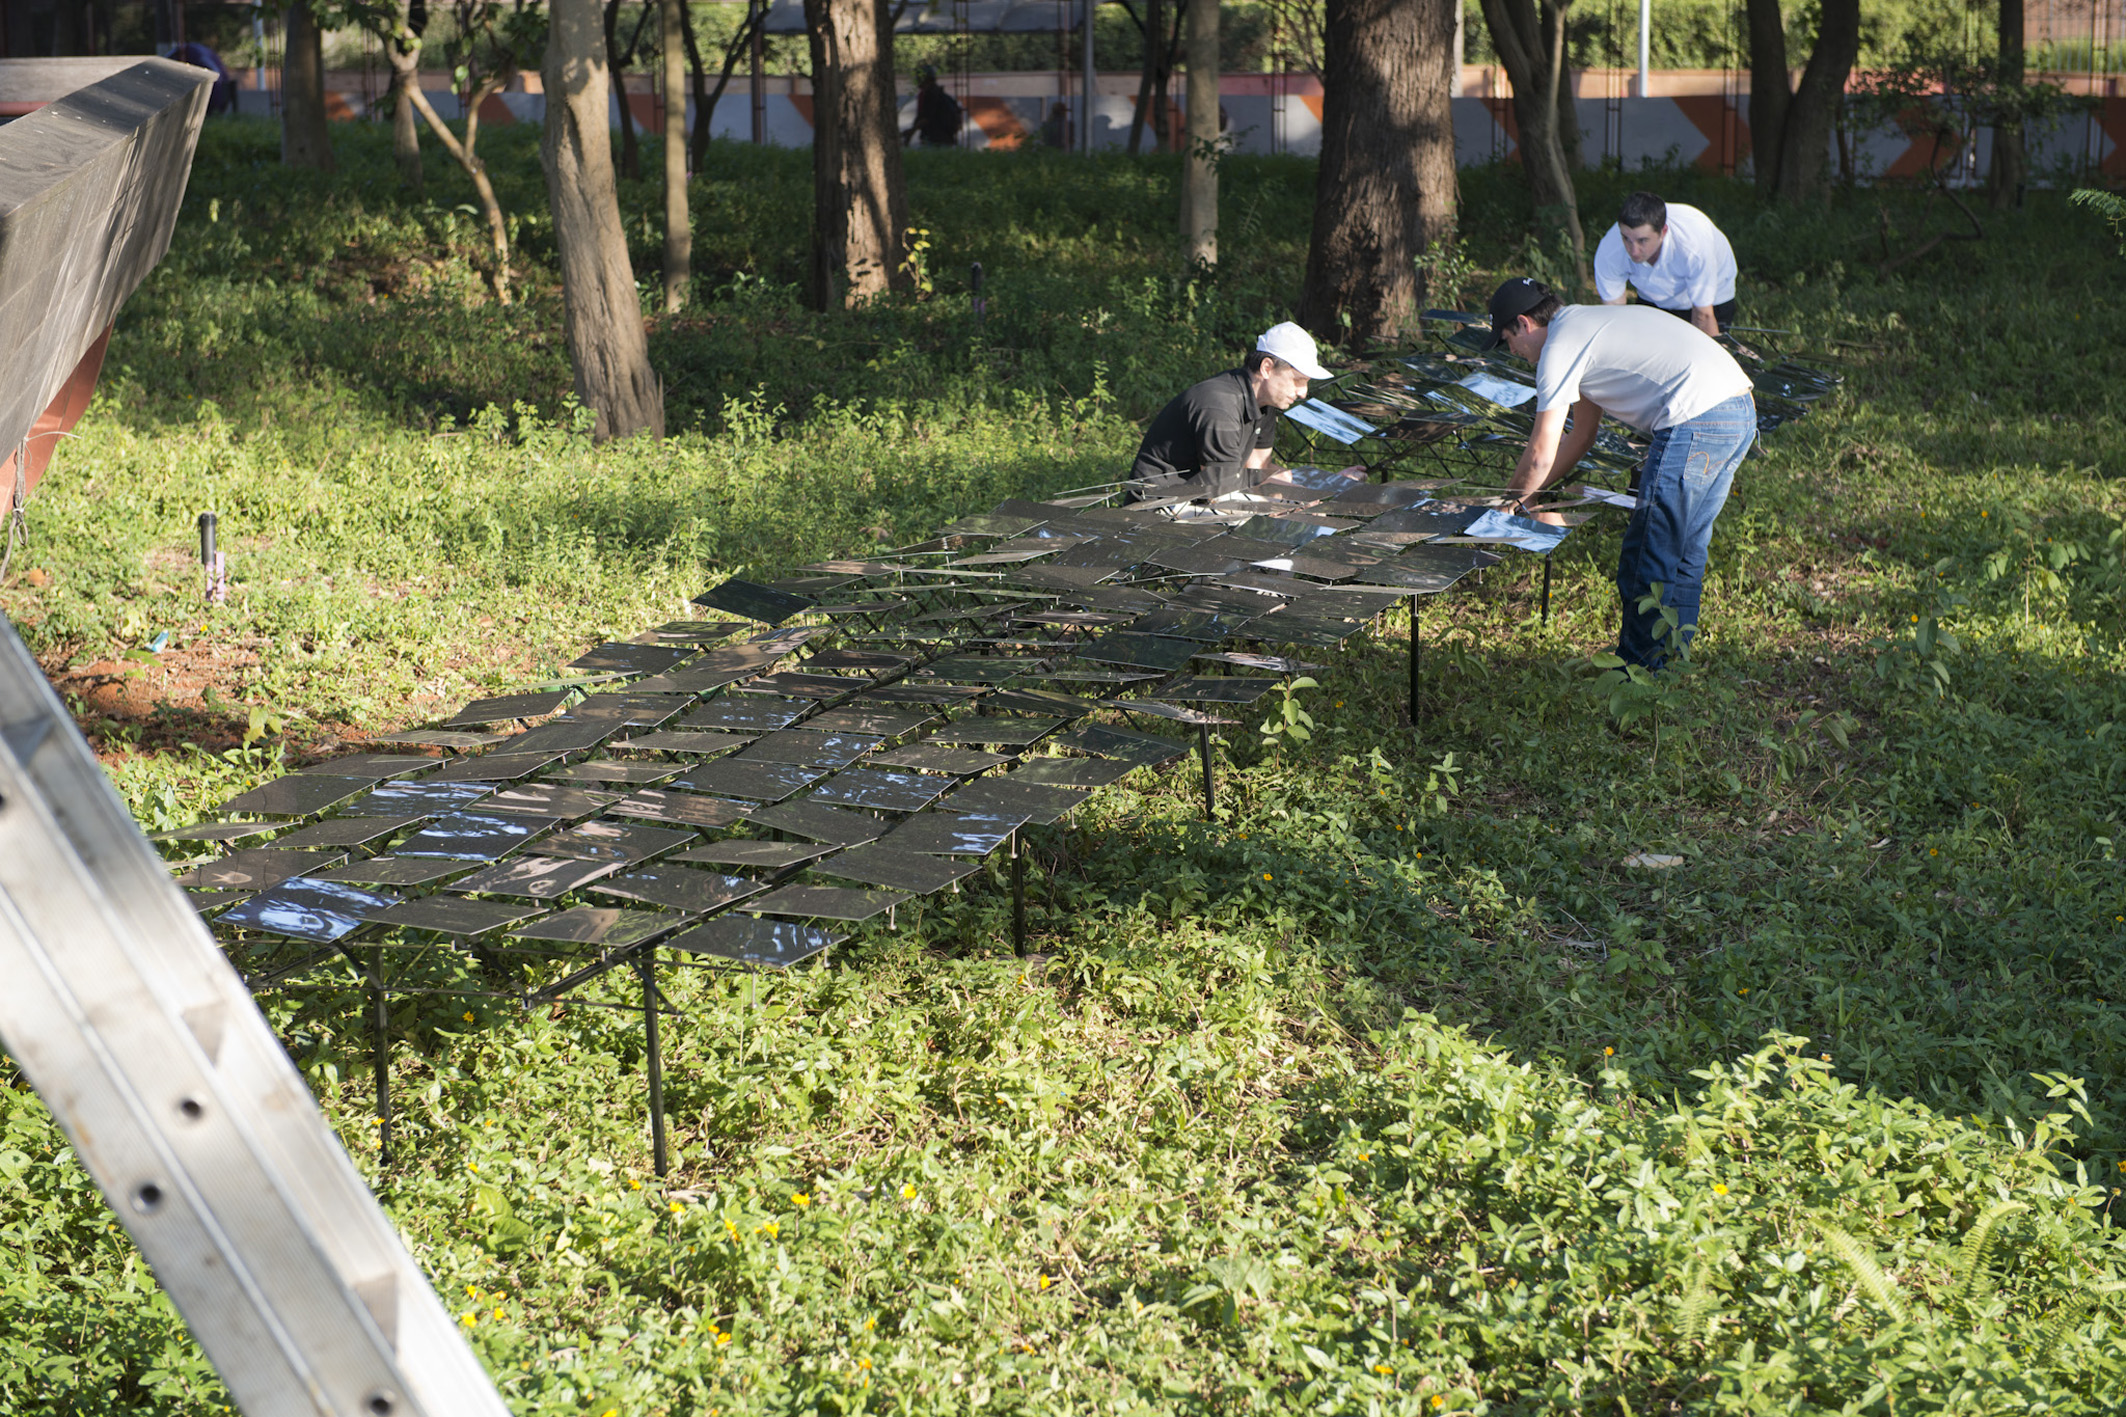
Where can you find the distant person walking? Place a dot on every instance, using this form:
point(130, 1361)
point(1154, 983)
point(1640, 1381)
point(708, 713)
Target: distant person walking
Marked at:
point(1674, 256)
point(937, 113)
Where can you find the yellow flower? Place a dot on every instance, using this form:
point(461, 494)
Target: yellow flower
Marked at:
point(1046, 1281)
point(1933, 851)
point(468, 1016)
point(498, 1313)
point(1719, 1188)
point(1384, 1370)
point(1609, 1052)
point(722, 1339)
point(908, 1191)
point(801, 1198)
point(610, 1412)
point(864, 1363)
point(676, 1207)
point(1825, 1056)
point(634, 1183)
point(1438, 1401)
point(1365, 1156)
point(472, 1291)
point(870, 1324)
point(472, 1166)
point(1742, 991)
point(772, 1229)
point(1266, 875)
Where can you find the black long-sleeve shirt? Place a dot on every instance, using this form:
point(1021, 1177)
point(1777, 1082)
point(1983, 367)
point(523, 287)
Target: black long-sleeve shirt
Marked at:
point(1203, 439)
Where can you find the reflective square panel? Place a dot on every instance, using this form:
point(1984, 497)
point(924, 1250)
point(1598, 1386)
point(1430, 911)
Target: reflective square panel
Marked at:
point(797, 745)
point(1139, 651)
point(1173, 713)
point(608, 927)
point(534, 877)
point(827, 903)
point(493, 767)
point(614, 657)
point(1268, 663)
point(1063, 577)
point(450, 915)
point(1037, 803)
point(937, 757)
point(754, 602)
point(506, 708)
point(791, 684)
point(699, 632)
point(944, 694)
point(1295, 629)
point(983, 729)
point(689, 681)
point(1137, 749)
point(1216, 689)
point(605, 840)
point(655, 804)
point(345, 831)
point(297, 795)
point(761, 855)
point(257, 869)
point(1044, 702)
point(880, 791)
point(373, 766)
point(1191, 561)
point(1072, 772)
point(755, 944)
point(1204, 626)
point(996, 523)
point(393, 871)
point(471, 836)
point(810, 586)
point(753, 781)
point(627, 708)
point(563, 735)
point(624, 774)
point(306, 908)
point(862, 660)
point(216, 831)
point(818, 823)
point(880, 722)
point(1315, 566)
point(457, 739)
point(953, 833)
point(983, 669)
point(878, 865)
point(417, 799)
point(679, 741)
point(751, 716)
point(680, 887)
point(553, 801)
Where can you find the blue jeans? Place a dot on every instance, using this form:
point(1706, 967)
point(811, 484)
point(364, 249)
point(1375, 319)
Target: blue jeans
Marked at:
point(1688, 471)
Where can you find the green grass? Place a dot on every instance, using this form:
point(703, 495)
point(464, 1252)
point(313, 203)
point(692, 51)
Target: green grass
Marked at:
point(1391, 1090)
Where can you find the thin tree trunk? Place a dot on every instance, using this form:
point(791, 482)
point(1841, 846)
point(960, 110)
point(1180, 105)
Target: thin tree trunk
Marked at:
point(860, 202)
point(1804, 147)
point(306, 140)
point(1199, 183)
point(1385, 188)
point(468, 157)
point(618, 60)
point(678, 232)
point(705, 98)
point(2006, 175)
point(1532, 54)
point(1558, 40)
point(1770, 92)
point(1154, 25)
point(402, 49)
point(607, 347)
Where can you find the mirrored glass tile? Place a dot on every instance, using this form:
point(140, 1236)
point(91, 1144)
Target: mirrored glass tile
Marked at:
point(1063, 577)
point(1137, 749)
point(1116, 600)
point(562, 735)
point(207, 902)
point(1072, 619)
point(553, 801)
point(344, 831)
point(417, 799)
point(937, 757)
point(1073, 772)
point(1080, 673)
point(608, 927)
point(657, 805)
point(297, 795)
point(861, 660)
point(605, 840)
point(506, 708)
point(754, 602)
point(767, 856)
point(869, 610)
point(877, 722)
point(307, 908)
point(257, 869)
point(534, 877)
point(943, 694)
point(1313, 566)
point(1139, 651)
point(791, 684)
point(1039, 804)
point(216, 831)
point(682, 741)
point(698, 632)
point(1043, 702)
point(471, 836)
point(812, 587)
point(753, 781)
point(1173, 713)
point(827, 903)
point(818, 823)
point(622, 773)
point(982, 669)
point(627, 709)
point(797, 745)
point(1431, 521)
point(990, 730)
point(1415, 578)
point(1216, 689)
point(373, 766)
point(995, 524)
point(753, 716)
point(393, 871)
point(1194, 561)
point(1268, 663)
point(1292, 628)
point(954, 833)
point(880, 791)
point(1204, 626)
point(749, 943)
point(617, 657)
point(493, 767)
point(456, 739)
point(680, 887)
point(685, 683)
point(452, 915)
point(877, 865)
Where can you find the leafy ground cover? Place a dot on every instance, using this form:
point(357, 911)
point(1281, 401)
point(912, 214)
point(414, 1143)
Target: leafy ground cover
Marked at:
point(1393, 1089)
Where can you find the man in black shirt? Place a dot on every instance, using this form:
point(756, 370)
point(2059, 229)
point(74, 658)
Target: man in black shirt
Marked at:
point(1216, 437)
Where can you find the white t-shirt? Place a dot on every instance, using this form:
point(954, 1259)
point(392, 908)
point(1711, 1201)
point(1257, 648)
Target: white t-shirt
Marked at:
point(1695, 265)
point(1645, 368)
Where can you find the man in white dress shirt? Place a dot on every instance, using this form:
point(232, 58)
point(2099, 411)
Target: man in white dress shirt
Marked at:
point(1674, 256)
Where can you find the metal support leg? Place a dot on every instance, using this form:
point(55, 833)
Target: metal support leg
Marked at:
point(1414, 652)
point(1210, 790)
point(646, 966)
point(1018, 894)
point(380, 1002)
point(1546, 591)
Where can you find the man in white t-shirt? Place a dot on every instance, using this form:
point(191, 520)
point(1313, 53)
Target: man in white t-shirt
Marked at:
point(1674, 257)
point(1664, 378)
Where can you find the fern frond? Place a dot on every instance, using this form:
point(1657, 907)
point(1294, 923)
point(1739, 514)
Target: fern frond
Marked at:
point(1973, 1275)
point(1699, 1303)
point(1867, 1273)
point(2053, 1335)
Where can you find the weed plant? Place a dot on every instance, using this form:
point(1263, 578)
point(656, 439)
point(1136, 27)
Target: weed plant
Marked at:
point(1393, 1089)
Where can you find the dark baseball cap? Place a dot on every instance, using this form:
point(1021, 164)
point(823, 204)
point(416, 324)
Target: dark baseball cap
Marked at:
point(1514, 299)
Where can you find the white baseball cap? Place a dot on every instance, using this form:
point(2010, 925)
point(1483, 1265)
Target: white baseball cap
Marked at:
point(1295, 347)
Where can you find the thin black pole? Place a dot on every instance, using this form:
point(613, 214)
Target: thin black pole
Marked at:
point(1414, 600)
point(1210, 790)
point(1546, 590)
point(1018, 894)
point(646, 965)
point(380, 997)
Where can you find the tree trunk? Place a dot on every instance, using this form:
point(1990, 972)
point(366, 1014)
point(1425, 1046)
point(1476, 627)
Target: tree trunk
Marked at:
point(468, 157)
point(678, 232)
point(617, 61)
point(2005, 177)
point(607, 348)
point(1805, 145)
point(402, 49)
point(1385, 188)
point(1770, 92)
point(306, 141)
point(1199, 183)
point(1557, 38)
point(1154, 45)
point(1532, 51)
point(859, 200)
point(706, 98)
